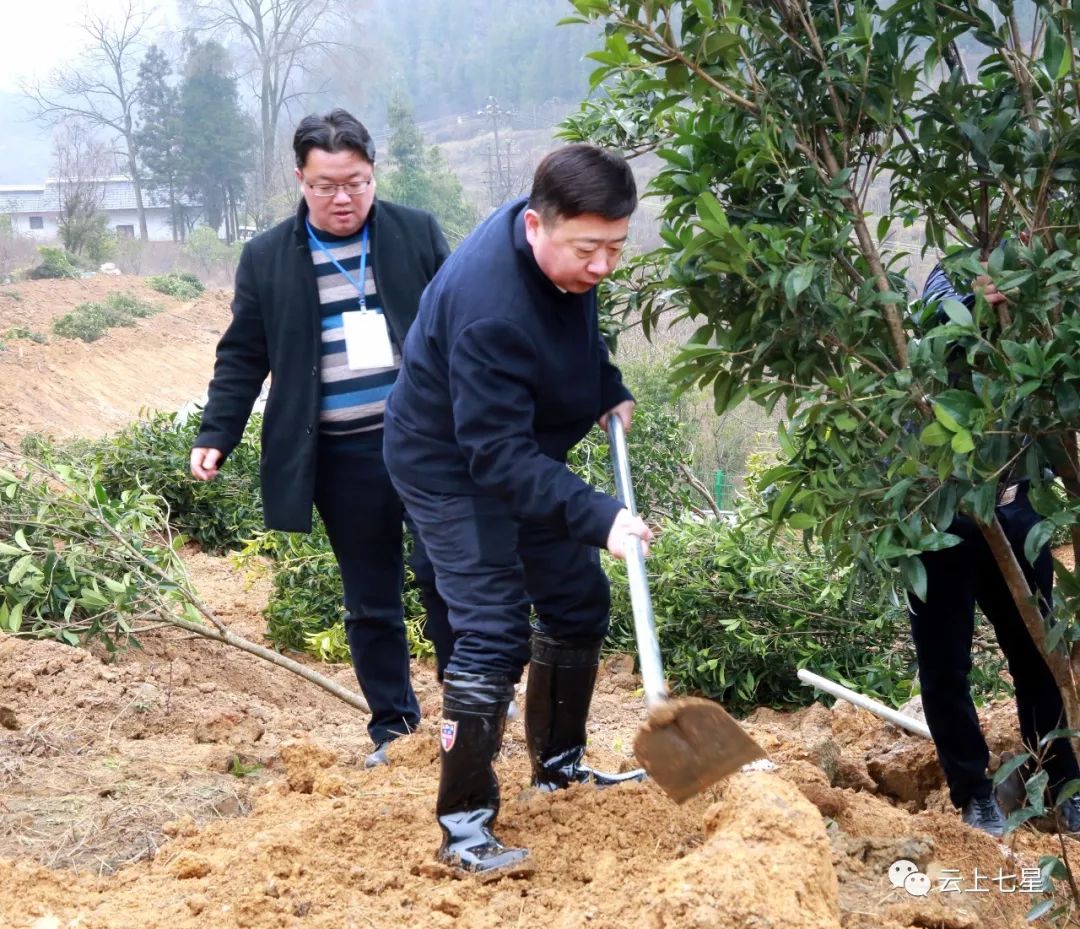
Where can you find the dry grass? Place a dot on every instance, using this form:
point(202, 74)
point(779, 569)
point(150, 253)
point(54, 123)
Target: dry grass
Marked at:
point(68, 803)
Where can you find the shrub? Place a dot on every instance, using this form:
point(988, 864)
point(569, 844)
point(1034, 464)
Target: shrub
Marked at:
point(20, 332)
point(65, 572)
point(55, 263)
point(90, 321)
point(154, 455)
point(88, 234)
point(306, 604)
point(737, 616)
point(204, 246)
point(658, 445)
point(182, 285)
point(131, 305)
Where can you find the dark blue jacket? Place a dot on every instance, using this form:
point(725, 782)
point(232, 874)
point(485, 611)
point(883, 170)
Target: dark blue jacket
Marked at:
point(502, 374)
point(275, 330)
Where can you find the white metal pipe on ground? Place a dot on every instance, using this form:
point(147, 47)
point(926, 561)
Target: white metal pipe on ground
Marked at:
point(878, 709)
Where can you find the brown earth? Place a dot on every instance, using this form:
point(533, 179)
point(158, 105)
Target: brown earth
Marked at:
point(70, 388)
point(185, 785)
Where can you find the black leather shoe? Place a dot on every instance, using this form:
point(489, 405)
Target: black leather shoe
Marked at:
point(1068, 815)
point(985, 814)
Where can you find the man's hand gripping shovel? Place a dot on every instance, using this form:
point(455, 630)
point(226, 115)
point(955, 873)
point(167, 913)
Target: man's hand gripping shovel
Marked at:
point(686, 744)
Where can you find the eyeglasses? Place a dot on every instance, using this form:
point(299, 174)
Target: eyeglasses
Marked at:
point(353, 188)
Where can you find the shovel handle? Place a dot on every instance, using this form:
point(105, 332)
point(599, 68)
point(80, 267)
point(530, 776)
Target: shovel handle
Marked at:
point(652, 670)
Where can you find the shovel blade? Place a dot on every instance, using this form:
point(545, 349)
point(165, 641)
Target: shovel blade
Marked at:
point(689, 744)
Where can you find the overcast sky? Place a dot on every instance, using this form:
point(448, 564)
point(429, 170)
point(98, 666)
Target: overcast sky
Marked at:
point(39, 35)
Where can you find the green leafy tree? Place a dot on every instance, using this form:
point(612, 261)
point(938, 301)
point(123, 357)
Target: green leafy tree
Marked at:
point(278, 41)
point(800, 143)
point(159, 138)
point(218, 138)
point(420, 176)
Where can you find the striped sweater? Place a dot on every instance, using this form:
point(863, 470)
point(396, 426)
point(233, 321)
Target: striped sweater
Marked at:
point(349, 401)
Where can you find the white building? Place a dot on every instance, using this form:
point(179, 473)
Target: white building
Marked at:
point(35, 211)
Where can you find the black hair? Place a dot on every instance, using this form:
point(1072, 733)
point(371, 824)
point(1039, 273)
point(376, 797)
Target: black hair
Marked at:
point(336, 131)
point(579, 179)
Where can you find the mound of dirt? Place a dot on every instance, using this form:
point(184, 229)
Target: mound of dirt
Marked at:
point(183, 785)
point(67, 388)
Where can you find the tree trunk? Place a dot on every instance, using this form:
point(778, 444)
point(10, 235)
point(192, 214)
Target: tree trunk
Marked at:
point(267, 125)
point(136, 183)
point(1057, 661)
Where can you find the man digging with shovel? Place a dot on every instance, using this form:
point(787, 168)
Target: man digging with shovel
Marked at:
point(503, 373)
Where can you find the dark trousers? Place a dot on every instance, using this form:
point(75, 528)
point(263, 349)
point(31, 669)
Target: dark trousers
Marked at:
point(957, 579)
point(490, 566)
point(363, 518)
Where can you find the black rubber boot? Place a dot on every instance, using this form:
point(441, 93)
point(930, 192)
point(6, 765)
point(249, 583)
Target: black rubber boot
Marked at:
point(474, 714)
point(557, 698)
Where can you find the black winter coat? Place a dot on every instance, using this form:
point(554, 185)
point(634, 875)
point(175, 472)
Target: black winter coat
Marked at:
point(275, 330)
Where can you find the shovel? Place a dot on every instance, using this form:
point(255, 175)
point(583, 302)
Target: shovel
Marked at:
point(687, 744)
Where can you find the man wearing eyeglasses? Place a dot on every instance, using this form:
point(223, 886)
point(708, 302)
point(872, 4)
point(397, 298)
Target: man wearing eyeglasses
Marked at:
point(322, 304)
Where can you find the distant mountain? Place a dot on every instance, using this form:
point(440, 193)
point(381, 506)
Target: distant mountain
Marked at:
point(25, 146)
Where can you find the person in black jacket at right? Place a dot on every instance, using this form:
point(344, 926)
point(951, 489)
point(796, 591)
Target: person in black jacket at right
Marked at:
point(504, 371)
point(942, 627)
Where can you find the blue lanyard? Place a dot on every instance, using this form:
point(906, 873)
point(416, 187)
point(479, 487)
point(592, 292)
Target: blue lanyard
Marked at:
point(362, 285)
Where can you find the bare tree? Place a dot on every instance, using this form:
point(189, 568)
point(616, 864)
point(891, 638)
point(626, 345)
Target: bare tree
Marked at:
point(102, 88)
point(82, 165)
point(282, 39)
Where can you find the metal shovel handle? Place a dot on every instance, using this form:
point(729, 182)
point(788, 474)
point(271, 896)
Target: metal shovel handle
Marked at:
point(652, 669)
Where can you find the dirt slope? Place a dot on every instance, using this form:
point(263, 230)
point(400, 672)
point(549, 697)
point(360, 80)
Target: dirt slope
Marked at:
point(184, 785)
point(69, 388)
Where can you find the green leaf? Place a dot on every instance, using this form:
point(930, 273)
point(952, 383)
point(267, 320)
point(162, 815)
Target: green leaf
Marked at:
point(946, 419)
point(1039, 910)
point(801, 521)
point(14, 620)
point(1013, 764)
point(962, 443)
point(20, 568)
point(957, 313)
point(934, 435)
point(1035, 787)
point(914, 572)
point(845, 422)
point(115, 586)
point(797, 280)
point(1036, 539)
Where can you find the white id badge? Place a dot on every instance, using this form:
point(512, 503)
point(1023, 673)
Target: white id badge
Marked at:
point(367, 343)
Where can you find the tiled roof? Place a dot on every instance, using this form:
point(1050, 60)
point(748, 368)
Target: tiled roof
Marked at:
point(119, 194)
